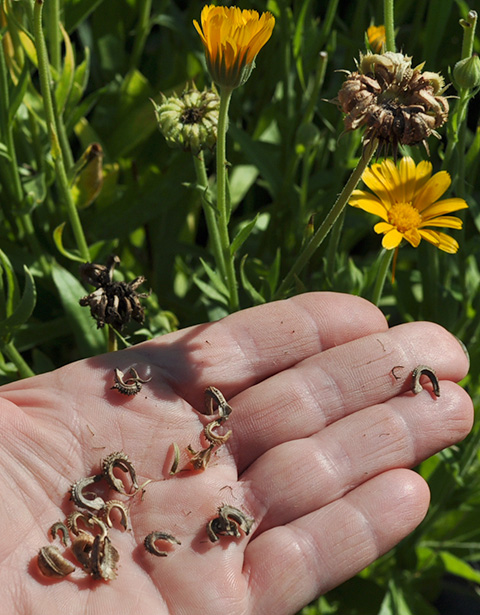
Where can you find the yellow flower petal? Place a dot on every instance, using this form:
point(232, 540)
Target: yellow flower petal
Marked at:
point(423, 173)
point(444, 221)
point(413, 237)
point(368, 202)
point(440, 240)
point(382, 227)
point(408, 179)
point(446, 206)
point(433, 190)
point(232, 37)
point(392, 239)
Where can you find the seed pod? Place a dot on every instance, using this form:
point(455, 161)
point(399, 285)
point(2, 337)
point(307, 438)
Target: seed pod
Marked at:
point(82, 548)
point(214, 396)
point(52, 563)
point(229, 522)
point(128, 386)
point(59, 526)
point(110, 505)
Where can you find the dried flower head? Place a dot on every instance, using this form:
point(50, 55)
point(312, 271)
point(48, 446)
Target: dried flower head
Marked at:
point(112, 303)
point(397, 104)
point(189, 121)
point(232, 38)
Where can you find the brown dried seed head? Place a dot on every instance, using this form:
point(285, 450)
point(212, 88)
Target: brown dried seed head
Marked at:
point(151, 539)
point(52, 563)
point(397, 104)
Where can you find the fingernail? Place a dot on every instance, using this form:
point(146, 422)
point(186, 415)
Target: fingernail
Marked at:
point(464, 348)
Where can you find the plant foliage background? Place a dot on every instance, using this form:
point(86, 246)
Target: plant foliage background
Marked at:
point(288, 161)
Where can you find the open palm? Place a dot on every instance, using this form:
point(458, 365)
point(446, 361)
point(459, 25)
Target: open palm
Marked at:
point(323, 431)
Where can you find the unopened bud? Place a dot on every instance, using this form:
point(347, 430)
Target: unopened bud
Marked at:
point(467, 72)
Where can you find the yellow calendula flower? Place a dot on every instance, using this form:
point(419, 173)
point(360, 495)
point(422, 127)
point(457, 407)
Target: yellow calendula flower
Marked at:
point(232, 38)
point(406, 199)
point(376, 38)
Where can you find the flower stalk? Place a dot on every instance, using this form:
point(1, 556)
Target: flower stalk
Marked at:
point(222, 210)
point(339, 205)
point(61, 173)
point(389, 21)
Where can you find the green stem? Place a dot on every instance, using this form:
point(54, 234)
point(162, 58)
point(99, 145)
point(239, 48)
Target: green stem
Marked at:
point(319, 79)
point(329, 221)
point(469, 25)
point(210, 216)
point(389, 21)
point(16, 358)
point(112, 344)
point(54, 40)
point(383, 268)
point(223, 214)
point(141, 31)
point(45, 85)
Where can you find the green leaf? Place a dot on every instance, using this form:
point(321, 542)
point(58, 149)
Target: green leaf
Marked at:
point(242, 235)
point(459, 567)
point(210, 291)
point(215, 279)
point(58, 240)
point(11, 293)
point(90, 340)
point(65, 82)
point(256, 297)
point(18, 92)
point(22, 310)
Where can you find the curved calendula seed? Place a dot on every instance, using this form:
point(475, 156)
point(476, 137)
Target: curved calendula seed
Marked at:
point(151, 539)
point(121, 461)
point(214, 396)
point(111, 504)
point(424, 370)
point(128, 386)
point(229, 522)
point(215, 438)
point(52, 563)
point(59, 526)
point(104, 559)
point(236, 515)
point(80, 498)
point(73, 519)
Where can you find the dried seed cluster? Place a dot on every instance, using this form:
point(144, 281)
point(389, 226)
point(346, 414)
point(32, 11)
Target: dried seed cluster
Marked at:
point(215, 405)
point(397, 104)
point(85, 534)
point(112, 303)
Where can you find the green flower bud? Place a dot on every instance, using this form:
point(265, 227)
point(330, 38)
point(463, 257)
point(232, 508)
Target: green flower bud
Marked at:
point(189, 121)
point(467, 72)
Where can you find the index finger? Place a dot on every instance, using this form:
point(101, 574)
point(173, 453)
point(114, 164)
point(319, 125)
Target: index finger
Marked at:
point(249, 346)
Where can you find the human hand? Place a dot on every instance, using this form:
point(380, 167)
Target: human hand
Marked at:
point(323, 432)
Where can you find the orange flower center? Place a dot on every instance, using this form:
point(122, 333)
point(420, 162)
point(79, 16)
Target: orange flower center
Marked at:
point(404, 217)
